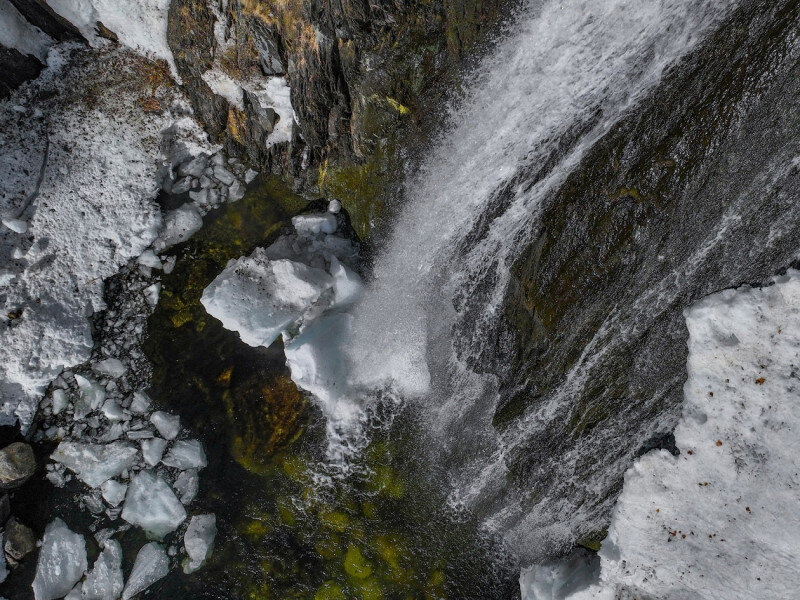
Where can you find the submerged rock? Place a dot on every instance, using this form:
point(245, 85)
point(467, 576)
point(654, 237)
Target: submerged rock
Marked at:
point(17, 464)
point(151, 565)
point(62, 562)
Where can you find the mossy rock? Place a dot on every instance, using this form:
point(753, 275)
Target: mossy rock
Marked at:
point(355, 564)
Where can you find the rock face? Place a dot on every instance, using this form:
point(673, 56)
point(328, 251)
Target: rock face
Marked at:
point(694, 192)
point(17, 464)
point(350, 115)
point(15, 69)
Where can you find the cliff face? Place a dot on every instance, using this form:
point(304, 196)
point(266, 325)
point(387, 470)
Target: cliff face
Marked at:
point(690, 194)
point(364, 77)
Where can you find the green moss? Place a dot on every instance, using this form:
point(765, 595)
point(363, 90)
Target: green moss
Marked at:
point(369, 589)
point(593, 540)
point(355, 564)
point(335, 520)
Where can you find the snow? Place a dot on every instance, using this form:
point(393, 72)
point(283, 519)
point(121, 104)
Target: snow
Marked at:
point(151, 565)
point(223, 85)
point(140, 25)
point(113, 492)
point(720, 520)
point(94, 464)
point(199, 541)
point(152, 505)
point(259, 298)
point(168, 425)
point(104, 581)
point(275, 94)
point(62, 562)
point(94, 210)
point(186, 454)
point(16, 32)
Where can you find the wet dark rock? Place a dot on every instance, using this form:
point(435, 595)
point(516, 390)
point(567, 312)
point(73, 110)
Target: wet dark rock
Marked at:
point(18, 540)
point(5, 508)
point(15, 69)
point(676, 202)
point(17, 464)
point(38, 13)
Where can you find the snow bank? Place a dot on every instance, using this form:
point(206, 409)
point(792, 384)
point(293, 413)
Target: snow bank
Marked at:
point(97, 152)
point(16, 32)
point(722, 519)
point(140, 25)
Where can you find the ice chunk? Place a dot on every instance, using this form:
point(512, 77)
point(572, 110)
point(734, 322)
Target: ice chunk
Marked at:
point(62, 562)
point(316, 360)
point(335, 207)
point(168, 425)
point(194, 167)
point(104, 581)
point(315, 223)
point(224, 176)
point(151, 504)
point(16, 225)
point(151, 565)
point(153, 450)
point(113, 411)
point(249, 175)
point(259, 298)
point(111, 367)
point(113, 491)
point(75, 593)
point(187, 485)
point(180, 224)
point(140, 404)
point(60, 401)
point(92, 394)
point(199, 541)
point(347, 285)
point(186, 454)
point(94, 464)
point(182, 186)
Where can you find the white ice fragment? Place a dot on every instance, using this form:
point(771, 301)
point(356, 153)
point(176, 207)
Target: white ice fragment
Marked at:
point(16, 225)
point(224, 176)
point(187, 485)
point(186, 454)
point(153, 450)
point(113, 491)
point(236, 191)
point(249, 175)
point(315, 223)
point(152, 293)
point(180, 224)
point(111, 367)
point(148, 258)
point(347, 285)
point(62, 562)
point(194, 167)
point(182, 186)
point(169, 264)
point(94, 464)
point(75, 593)
point(168, 425)
point(259, 298)
point(151, 504)
point(104, 581)
point(140, 403)
point(199, 541)
point(334, 206)
point(60, 401)
point(151, 565)
point(92, 393)
point(113, 411)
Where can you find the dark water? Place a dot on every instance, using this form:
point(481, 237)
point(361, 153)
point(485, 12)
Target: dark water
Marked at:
point(288, 528)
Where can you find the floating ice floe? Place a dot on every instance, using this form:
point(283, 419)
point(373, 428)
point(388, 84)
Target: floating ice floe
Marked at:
point(168, 425)
point(199, 541)
point(151, 504)
point(153, 450)
point(187, 484)
point(104, 581)
point(113, 492)
point(186, 454)
point(62, 562)
point(151, 565)
point(94, 464)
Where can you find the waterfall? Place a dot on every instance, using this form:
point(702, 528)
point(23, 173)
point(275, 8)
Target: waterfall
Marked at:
point(565, 74)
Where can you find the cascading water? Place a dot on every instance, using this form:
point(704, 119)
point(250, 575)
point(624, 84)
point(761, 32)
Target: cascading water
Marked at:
point(564, 76)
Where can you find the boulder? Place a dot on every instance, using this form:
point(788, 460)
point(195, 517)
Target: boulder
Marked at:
point(17, 464)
